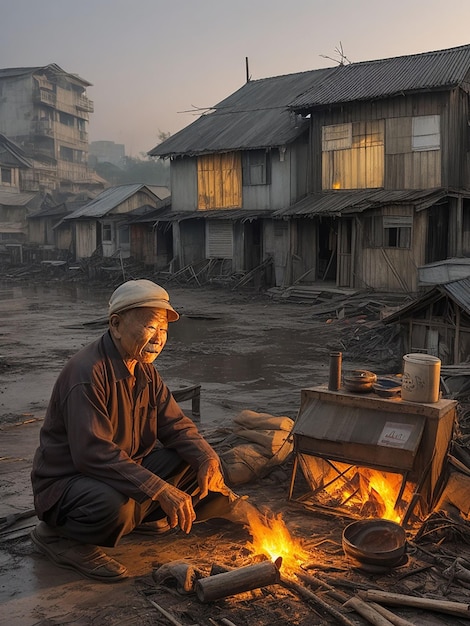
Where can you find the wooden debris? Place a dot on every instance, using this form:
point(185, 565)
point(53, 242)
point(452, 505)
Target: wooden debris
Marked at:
point(181, 571)
point(394, 619)
point(367, 612)
point(168, 615)
point(458, 609)
point(315, 599)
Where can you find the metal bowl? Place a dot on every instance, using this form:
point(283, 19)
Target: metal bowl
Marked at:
point(359, 381)
point(387, 387)
point(375, 541)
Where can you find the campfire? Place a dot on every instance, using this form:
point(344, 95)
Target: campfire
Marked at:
point(271, 538)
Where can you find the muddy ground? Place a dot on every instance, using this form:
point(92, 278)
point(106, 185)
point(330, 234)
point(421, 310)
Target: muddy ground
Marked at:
point(247, 351)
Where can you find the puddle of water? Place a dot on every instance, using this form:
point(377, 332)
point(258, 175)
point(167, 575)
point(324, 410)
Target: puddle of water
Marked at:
point(261, 358)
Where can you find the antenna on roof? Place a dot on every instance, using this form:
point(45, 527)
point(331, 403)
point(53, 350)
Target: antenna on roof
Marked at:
point(343, 59)
point(248, 78)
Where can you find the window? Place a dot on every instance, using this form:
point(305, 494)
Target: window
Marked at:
point(426, 133)
point(6, 176)
point(66, 154)
point(353, 155)
point(336, 137)
point(106, 233)
point(66, 119)
point(256, 167)
point(219, 181)
point(388, 231)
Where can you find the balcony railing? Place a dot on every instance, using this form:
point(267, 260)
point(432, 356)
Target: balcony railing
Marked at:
point(43, 127)
point(85, 104)
point(46, 97)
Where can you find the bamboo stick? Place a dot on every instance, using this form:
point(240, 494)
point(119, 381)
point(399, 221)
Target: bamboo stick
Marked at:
point(395, 619)
point(343, 597)
point(169, 616)
point(309, 595)
point(458, 609)
point(367, 612)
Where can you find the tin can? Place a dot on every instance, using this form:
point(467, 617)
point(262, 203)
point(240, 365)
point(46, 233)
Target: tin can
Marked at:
point(334, 380)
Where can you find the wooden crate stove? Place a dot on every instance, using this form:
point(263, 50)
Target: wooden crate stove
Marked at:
point(408, 439)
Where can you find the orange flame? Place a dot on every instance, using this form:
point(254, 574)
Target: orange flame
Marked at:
point(371, 491)
point(272, 538)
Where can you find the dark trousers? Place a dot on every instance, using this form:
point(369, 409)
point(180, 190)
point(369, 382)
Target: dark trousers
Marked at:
point(91, 511)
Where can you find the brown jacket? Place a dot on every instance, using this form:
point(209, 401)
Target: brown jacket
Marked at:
point(101, 425)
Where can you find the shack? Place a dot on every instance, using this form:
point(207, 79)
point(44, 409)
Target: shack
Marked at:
point(438, 322)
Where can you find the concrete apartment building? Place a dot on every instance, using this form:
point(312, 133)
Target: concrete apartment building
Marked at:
point(45, 111)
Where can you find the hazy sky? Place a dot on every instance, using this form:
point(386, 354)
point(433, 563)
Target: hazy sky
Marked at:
point(153, 63)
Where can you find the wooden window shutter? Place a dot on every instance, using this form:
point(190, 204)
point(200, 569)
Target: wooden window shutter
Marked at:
point(219, 181)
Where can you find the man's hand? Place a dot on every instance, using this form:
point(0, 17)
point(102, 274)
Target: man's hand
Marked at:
point(178, 507)
point(210, 478)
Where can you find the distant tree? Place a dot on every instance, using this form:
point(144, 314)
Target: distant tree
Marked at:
point(162, 135)
point(142, 169)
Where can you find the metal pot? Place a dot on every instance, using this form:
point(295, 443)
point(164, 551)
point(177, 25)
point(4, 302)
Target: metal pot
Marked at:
point(359, 381)
point(375, 541)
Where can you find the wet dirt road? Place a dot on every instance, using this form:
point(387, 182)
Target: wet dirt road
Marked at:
point(246, 351)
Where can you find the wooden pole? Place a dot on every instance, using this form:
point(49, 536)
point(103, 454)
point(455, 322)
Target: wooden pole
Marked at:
point(458, 609)
point(367, 612)
point(309, 595)
point(395, 619)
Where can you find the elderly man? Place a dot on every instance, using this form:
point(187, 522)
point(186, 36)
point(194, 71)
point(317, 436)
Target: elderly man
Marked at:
point(116, 452)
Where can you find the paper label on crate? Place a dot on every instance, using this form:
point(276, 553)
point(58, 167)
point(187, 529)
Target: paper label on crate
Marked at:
point(395, 435)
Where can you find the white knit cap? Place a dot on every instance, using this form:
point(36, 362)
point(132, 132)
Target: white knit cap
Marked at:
point(141, 293)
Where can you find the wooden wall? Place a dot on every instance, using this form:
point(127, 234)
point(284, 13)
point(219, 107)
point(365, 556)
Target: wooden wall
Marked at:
point(391, 269)
point(403, 168)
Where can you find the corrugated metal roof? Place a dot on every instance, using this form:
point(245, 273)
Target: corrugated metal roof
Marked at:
point(11, 154)
point(442, 69)
point(160, 191)
point(336, 203)
point(458, 291)
point(255, 116)
point(106, 201)
point(15, 199)
point(243, 215)
point(11, 72)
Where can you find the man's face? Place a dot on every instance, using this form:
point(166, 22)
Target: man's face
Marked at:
point(140, 334)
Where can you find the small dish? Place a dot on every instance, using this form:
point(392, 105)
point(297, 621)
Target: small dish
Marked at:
point(387, 387)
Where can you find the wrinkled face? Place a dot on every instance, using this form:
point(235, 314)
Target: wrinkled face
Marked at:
point(140, 334)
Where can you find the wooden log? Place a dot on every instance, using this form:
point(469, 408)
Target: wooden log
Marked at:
point(237, 581)
point(459, 609)
point(395, 619)
point(367, 612)
point(343, 597)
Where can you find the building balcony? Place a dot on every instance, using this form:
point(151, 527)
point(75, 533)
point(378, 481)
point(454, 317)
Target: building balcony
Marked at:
point(85, 104)
point(46, 97)
point(43, 127)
